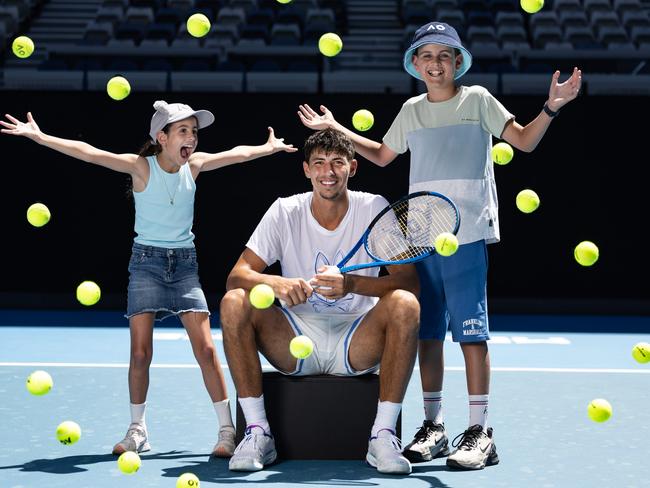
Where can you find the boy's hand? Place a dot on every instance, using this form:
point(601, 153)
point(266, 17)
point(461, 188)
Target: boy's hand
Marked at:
point(312, 120)
point(562, 93)
point(17, 128)
point(278, 144)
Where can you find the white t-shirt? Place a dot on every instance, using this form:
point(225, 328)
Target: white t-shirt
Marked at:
point(289, 233)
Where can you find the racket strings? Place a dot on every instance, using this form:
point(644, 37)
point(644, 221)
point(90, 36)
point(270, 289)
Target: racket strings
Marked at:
point(410, 228)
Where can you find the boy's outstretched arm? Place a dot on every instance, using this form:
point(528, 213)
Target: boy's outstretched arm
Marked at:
point(124, 163)
point(373, 151)
point(559, 94)
point(239, 154)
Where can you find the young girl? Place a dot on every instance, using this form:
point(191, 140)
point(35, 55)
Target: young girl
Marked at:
point(163, 267)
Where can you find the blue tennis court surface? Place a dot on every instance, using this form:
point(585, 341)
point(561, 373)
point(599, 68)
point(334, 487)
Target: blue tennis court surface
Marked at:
point(541, 385)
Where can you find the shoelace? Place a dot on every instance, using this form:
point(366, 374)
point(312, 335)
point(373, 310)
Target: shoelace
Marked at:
point(250, 437)
point(423, 433)
point(393, 439)
point(468, 439)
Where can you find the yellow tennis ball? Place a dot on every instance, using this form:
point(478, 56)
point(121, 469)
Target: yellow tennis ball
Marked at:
point(261, 296)
point(330, 44)
point(187, 480)
point(129, 462)
point(531, 6)
point(527, 201)
point(446, 244)
point(118, 88)
point(301, 347)
point(284, 1)
point(502, 153)
point(363, 119)
point(88, 293)
point(39, 383)
point(23, 46)
point(198, 25)
point(68, 432)
point(641, 352)
point(599, 410)
point(586, 253)
point(38, 214)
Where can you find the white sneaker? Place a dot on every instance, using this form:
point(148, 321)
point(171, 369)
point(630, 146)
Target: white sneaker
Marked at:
point(135, 440)
point(475, 450)
point(256, 450)
point(429, 442)
point(225, 446)
point(385, 454)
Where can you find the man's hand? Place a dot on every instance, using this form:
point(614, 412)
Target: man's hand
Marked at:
point(292, 291)
point(329, 284)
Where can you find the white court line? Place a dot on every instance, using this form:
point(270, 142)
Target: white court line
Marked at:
point(270, 368)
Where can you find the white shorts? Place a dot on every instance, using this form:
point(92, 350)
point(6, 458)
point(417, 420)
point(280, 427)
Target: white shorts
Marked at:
point(331, 334)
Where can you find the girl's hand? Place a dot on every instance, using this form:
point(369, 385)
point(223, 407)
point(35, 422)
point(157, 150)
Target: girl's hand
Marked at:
point(17, 128)
point(562, 93)
point(313, 120)
point(278, 144)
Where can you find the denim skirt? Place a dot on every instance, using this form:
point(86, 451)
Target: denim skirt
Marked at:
point(164, 281)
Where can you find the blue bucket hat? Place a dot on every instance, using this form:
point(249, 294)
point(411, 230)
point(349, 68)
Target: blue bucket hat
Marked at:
point(436, 33)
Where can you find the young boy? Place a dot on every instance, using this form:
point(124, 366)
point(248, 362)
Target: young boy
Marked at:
point(449, 132)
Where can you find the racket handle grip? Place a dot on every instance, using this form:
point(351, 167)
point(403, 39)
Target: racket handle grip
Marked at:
point(331, 270)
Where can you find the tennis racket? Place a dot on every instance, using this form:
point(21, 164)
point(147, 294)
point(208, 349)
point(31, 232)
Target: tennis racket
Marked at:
point(405, 231)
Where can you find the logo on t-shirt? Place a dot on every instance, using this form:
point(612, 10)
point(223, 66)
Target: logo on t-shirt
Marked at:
point(321, 304)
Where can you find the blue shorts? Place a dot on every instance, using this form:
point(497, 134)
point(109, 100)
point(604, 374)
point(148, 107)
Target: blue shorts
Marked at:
point(453, 294)
point(164, 281)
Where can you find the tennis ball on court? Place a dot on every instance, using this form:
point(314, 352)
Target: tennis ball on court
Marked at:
point(502, 153)
point(187, 480)
point(68, 432)
point(301, 347)
point(23, 46)
point(261, 296)
point(531, 6)
point(527, 201)
point(446, 244)
point(330, 44)
point(129, 462)
point(198, 25)
point(88, 293)
point(599, 410)
point(586, 253)
point(39, 383)
point(363, 119)
point(641, 352)
point(118, 88)
point(38, 215)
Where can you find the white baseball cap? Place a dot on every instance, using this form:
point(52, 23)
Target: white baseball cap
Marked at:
point(168, 113)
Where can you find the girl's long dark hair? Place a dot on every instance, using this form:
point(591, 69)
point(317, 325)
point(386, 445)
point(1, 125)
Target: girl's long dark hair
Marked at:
point(149, 148)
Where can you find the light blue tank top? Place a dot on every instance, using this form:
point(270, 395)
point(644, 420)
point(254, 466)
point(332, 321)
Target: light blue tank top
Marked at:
point(164, 210)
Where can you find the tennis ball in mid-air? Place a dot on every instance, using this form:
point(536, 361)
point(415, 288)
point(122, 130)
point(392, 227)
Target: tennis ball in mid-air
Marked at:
point(641, 352)
point(38, 215)
point(330, 44)
point(68, 432)
point(261, 296)
point(531, 6)
point(586, 253)
point(88, 293)
point(363, 119)
point(446, 244)
point(187, 480)
point(118, 88)
point(502, 153)
point(23, 46)
point(599, 410)
point(284, 1)
point(198, 25)
point(301, 347)
point(39, 383)
point(527, 201)
point(129, 462)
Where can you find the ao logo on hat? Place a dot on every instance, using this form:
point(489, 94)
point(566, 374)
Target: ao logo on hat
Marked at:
point(436, 26)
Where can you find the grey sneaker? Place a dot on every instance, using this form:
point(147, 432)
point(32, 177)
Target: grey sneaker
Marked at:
point(225, 446)
point(135, 440)
point(474, 450)
point(430, 442)
point(385, 454)
point(256, 450)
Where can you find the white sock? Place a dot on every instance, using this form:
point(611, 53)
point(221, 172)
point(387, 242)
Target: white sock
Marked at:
point(387, 413)
point(254, 412)
point(433, 406)
point(223, 413)
point(478, 409)
point(137, 414)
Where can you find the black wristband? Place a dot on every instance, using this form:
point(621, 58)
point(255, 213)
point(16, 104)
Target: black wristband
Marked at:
point(549, 112)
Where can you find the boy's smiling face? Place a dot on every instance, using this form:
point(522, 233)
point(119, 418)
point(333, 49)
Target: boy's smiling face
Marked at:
point(437, 64)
